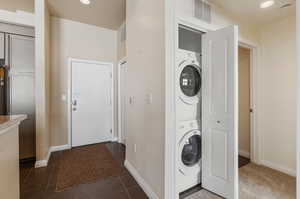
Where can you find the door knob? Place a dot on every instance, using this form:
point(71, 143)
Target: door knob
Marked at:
point(74, 109)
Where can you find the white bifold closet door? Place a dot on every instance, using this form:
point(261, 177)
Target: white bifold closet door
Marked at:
point(220, 112)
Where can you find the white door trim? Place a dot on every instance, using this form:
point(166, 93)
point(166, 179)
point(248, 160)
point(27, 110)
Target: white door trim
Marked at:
point(171, 45)
point(69, 95)
point(120, 132)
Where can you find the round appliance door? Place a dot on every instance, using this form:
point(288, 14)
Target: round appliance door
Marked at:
point(190, 83)
point(190, 152)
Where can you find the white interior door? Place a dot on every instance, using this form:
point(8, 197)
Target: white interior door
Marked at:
point(122, 101)
point(220, 112)
point(91, 103)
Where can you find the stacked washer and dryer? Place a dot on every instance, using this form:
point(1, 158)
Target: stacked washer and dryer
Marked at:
point(188, 110)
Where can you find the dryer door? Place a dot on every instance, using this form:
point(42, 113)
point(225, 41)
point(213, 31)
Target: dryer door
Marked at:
point(190, 81)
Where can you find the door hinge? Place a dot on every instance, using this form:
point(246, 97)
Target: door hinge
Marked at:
point(110, 75)
point(111, 131)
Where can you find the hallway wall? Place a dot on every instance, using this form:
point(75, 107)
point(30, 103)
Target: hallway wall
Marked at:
point(278, 95)
point(145, 139)
point(70, 39)
point(42, 86)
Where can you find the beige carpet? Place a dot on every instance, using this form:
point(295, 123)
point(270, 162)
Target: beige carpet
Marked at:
point(258, 182)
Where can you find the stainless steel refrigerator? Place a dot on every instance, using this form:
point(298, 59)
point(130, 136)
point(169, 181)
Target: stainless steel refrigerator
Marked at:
point(18, 87)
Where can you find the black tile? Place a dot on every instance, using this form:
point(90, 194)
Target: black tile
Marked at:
point(41, 183)
point(243, 161)
point(128, 181)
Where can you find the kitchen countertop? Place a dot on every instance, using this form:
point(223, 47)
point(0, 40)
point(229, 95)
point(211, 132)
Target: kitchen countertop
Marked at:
point(6, 121)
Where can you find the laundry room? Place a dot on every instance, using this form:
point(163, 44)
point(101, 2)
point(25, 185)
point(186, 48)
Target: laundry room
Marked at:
point(257, 97)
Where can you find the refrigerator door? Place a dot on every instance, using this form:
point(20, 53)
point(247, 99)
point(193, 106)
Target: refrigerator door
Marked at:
point(22, 102)
point(22, 54)
point(22, 90)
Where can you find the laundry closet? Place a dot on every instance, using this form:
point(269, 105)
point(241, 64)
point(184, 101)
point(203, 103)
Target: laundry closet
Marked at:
point(207, 83)
point(205, 107)
point(188, 105)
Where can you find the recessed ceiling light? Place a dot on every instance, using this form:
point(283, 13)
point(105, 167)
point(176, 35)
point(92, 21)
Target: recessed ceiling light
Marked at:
point(86, 2)
point(267, 4)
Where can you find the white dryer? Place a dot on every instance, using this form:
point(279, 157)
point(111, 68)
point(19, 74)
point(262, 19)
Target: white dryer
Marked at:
point(188, 75)
point(188, 155)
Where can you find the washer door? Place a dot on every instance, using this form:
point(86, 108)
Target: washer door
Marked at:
point(190, 153)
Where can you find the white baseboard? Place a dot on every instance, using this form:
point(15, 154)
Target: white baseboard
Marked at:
point(114, 139)
point(244, 154)
point(60, 148)
point(44, 163)
point(144, 185)
point(280, 168)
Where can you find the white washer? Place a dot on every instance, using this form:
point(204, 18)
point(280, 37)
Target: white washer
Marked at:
point(188, 155)
point(188, 80)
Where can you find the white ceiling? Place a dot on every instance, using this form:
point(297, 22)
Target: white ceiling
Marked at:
point(104, 13)
point(249, 11)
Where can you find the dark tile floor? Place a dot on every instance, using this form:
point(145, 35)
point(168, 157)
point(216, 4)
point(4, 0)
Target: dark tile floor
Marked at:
point(243, 161)
point(40, 183)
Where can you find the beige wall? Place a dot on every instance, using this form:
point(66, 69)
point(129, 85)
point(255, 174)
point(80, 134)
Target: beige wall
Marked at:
point(13, 5)
point(244, 102)
point(42, 87)
point(277, 91)
point(121, 44)
point(71, 39)
point(146, 75)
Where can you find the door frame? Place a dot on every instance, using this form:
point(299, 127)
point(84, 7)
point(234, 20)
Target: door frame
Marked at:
point(171, 164)
point(120, 130)
point(255, 139)
point(69, 95)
